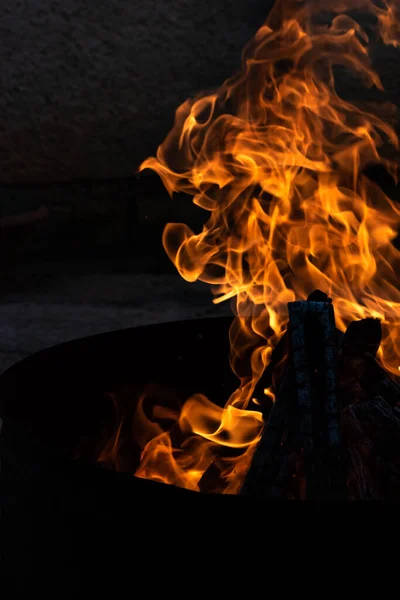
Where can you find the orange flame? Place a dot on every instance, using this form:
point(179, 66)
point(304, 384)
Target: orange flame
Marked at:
point(276, 157)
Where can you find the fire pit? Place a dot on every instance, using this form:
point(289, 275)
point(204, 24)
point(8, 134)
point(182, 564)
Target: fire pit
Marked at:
point(71, 415)
point(301, 241)
point(56, 404)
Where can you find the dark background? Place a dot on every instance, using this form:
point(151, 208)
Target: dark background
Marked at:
point(87, 91)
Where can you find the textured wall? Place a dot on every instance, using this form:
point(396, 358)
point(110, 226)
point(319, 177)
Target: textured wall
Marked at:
point(89, 88)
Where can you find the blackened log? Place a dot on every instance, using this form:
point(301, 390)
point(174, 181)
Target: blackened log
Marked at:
point(319, 296)
point(364, 336)
point(314, 353)
point(369, 398)
point(269, 466)
point(314, 356)
point(275, 370)
point(390, 391)
point(307, 393)
point(371, 432)
point(361, 376)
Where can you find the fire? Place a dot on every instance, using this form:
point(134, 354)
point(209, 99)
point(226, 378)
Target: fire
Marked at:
point(204, 427)
point(276, 157)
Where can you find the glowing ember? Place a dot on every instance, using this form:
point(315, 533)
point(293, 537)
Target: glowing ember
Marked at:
point(276, 157)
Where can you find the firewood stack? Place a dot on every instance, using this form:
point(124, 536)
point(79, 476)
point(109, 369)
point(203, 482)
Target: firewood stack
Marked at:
point(333, 433)
point(370, 417)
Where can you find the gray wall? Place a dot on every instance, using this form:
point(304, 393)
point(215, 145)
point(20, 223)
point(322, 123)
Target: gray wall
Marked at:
point(88, 88)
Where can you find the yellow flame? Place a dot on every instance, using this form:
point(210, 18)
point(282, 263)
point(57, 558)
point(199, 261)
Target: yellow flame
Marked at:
point(276, 157)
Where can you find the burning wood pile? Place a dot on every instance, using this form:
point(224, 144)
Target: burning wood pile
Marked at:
point(278, 160)
point(334, 430)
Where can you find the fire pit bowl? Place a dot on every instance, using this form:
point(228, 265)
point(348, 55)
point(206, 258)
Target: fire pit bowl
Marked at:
point(51, 401)
point(58, 397)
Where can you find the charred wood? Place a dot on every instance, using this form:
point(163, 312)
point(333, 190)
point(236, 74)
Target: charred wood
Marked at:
point(371, 433)
point(301, 438)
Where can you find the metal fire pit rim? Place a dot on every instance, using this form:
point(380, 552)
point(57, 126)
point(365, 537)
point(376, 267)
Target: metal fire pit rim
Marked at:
point(103, 334)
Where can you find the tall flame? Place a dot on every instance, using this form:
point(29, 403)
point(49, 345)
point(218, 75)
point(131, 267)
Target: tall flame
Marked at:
point(276, 157)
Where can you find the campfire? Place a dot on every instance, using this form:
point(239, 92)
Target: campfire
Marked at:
point(301, 242)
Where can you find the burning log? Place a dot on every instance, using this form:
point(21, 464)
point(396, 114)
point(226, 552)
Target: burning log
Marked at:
point(370, 400)
point(372, 434)
point(361, 376)
point(304, 420)
point(313, 341)
point(305, 439)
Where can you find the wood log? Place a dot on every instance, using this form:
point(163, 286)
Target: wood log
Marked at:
point(371, 432)
point(361, 377)
point(304, 420)
point(364, 336)
point(266, 475)
point(304, 432)
point(370, 419)
point(314, 353)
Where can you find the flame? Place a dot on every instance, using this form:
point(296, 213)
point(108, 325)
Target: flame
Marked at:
point(276, 156)
point(204, 426)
